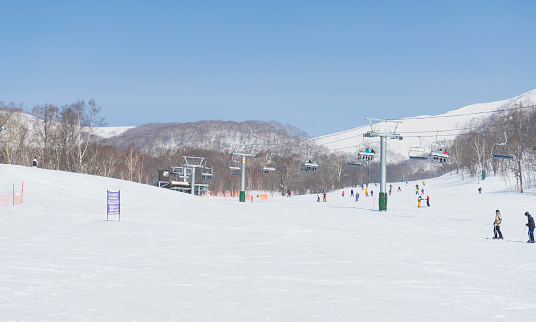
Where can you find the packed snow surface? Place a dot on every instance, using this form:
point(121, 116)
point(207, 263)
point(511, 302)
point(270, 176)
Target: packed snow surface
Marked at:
point(176, 257)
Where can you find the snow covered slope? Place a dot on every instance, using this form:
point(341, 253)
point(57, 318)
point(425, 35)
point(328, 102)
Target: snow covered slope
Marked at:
point(412, 127)
point(176, 257)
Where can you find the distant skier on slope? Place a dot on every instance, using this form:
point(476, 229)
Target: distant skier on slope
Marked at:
point(530, 224)
point(497, 225)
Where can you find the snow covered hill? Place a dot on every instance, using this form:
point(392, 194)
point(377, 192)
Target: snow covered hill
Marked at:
point(177, 257)
point(412, 127)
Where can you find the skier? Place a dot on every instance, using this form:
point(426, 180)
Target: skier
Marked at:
point(357, 196)
point(343, 193)
point(352, 193)
point(390, 191)
point(366, 193)
point(428, 201)
point(317, 198)
point(324, 200)
point(34, 162)
point(422, 192)
point(497, 225)
point(371, 193)
point(399, 189)
point(417, 191)
point(530, 224)
point(479, 190)
point(419, 201)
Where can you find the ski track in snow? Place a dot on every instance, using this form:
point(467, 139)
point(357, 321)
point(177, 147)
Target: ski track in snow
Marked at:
point(175, 257)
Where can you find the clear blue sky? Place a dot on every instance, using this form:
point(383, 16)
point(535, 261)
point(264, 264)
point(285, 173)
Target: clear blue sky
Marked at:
point(322, 66)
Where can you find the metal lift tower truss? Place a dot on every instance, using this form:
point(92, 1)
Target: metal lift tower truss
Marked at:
point(384, 129)
point(243, 151)
point(193, 163)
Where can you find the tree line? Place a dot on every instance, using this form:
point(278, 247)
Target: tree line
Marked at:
point(64, 138)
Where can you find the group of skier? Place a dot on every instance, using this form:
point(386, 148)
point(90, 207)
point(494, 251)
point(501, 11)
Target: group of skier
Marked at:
point(498, 221)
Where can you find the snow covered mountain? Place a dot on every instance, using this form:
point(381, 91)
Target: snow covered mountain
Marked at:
point(177, 257)
point(423, 126)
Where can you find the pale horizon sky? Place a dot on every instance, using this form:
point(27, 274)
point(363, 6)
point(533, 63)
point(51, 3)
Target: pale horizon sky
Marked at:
point(322, 66)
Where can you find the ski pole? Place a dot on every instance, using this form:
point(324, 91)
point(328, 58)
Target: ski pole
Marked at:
point(523, 232)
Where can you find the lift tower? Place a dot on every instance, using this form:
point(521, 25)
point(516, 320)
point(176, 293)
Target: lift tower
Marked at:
point(193, 163)
point(384, 129)
point(243, 151)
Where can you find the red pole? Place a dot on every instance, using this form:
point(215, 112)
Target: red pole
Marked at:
point(13, 194)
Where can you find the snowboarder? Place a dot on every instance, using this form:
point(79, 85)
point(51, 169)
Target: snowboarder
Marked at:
point(366, 193)
point(497, 225)
point(479, 190)
point(419, 201)
point(530, 224)
point(428, 201)
point(34, 162)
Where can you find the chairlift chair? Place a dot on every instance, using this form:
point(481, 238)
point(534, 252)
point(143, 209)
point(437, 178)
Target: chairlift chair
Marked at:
point(268, 166)
point(235, 167)
point(208, 173)
point(418, 152)
point(366, 154)
point(501, 150)
point(354, 160)
point(439, 152)
point(307, 164)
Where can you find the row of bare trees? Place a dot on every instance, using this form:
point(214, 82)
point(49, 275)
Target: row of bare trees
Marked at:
point(64, 138)
point(472, 149)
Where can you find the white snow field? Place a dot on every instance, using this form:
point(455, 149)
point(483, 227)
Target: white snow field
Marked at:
point(176, 257)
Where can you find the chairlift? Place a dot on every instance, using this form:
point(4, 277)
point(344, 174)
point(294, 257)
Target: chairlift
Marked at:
point(268, 165)
point(235, 167)
point(307, 164)
point(418, 152)
point(366, 153)
point(208, 173)
point(501, 150)
point(438, 151)
point(354, 160)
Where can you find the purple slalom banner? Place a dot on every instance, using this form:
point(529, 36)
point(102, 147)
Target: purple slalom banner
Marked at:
point(113, 204)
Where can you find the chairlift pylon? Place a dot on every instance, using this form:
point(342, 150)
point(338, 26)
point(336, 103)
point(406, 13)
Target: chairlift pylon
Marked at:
point(501, 150)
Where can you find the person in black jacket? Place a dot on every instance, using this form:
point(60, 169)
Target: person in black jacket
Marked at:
point(530, 224)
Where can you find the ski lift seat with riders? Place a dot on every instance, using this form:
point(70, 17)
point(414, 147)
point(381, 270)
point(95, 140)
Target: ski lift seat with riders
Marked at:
point(366, 154)
point(438, 152)
point(307, 164)
point(269, 165)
